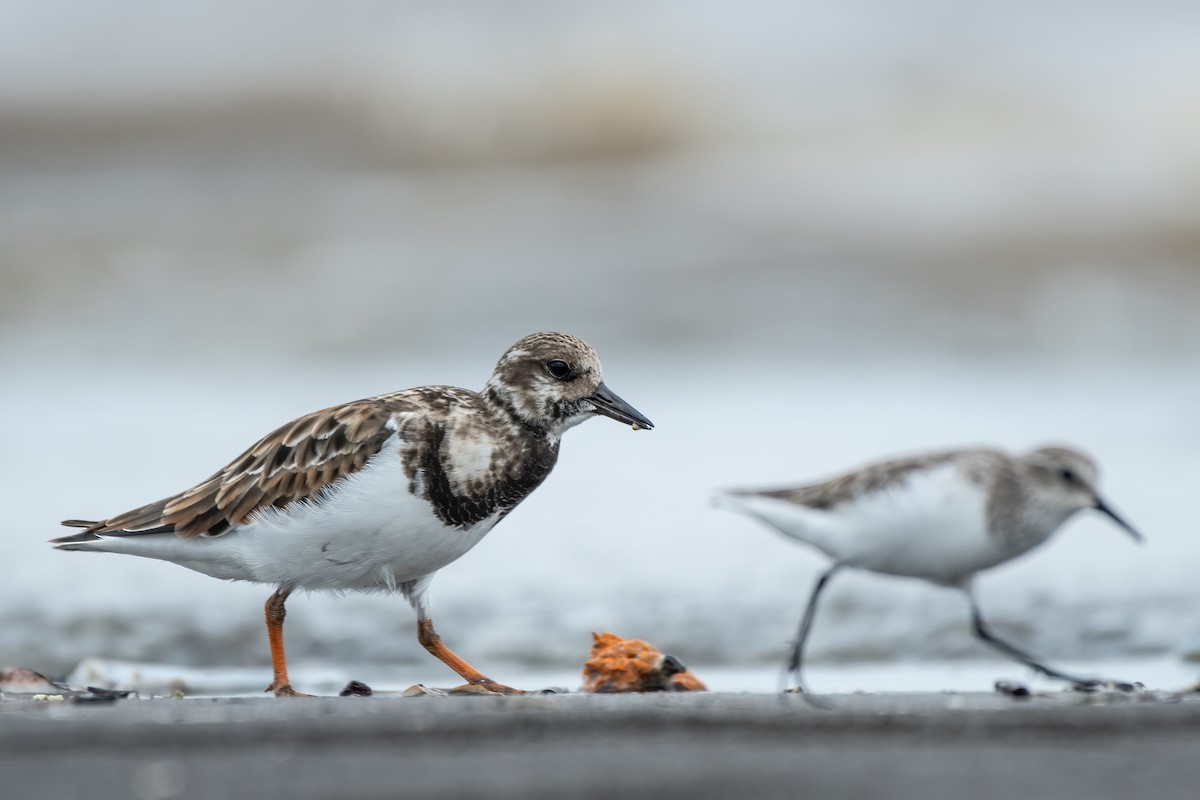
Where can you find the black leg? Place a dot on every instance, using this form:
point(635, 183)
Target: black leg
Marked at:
point(797, 658)
point(987, 637)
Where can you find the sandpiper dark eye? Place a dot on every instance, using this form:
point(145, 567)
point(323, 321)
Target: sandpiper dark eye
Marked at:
point(559, 369)
point(1067, 475)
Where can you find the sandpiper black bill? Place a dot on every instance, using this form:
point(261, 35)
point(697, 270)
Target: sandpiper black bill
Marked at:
point(1104, 508)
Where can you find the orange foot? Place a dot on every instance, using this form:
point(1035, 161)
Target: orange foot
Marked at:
point(285, 690)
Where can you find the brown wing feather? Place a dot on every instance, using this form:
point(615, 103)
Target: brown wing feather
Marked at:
point(827, 495)
point(287, 465)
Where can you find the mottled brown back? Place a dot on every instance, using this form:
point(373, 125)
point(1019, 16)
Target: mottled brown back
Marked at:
point(288, 465)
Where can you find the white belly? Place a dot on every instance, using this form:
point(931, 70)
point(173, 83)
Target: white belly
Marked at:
point(933, 526)
point(368, 533)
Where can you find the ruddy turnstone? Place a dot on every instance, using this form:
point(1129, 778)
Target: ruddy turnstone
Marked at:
point(376, 494)
point(942, 517)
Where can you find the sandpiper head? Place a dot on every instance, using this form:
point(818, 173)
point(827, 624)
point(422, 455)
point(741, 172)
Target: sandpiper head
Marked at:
point(553, 381)
point(1064, 481)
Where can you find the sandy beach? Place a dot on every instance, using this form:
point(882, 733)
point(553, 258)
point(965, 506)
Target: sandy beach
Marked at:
point(919, 745)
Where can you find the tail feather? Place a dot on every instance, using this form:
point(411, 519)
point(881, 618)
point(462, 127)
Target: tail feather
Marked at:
point(798, 522)
point(92, 531)
point(81, 523)
point(66, 542)
point(81, 545)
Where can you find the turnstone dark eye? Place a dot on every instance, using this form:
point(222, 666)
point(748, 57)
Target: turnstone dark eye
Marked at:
point(559, 369)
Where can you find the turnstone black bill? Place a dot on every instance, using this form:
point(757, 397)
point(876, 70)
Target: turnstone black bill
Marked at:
point(377, 494)
point(941, 517)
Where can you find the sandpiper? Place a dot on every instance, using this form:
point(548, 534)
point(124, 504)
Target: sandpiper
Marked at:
point(376, 494)
point(941, 517)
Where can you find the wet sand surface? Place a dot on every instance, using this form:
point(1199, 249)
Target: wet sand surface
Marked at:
point(556, 746)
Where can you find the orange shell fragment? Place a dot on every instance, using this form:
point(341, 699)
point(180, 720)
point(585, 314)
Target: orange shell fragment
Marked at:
point(631, 665)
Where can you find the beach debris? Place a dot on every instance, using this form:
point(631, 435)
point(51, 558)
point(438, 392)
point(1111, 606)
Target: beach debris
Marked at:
point(28, 684)
point(95, 694)
point(20, 680)
point(421, 690)
point(1013, 689)
point(1098, 693)
point(1098, 687)
point(1110, 693)
point(356, 689)
point(632, 665)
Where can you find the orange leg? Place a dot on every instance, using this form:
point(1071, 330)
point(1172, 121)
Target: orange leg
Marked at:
point(430, 640)
point(275, 613)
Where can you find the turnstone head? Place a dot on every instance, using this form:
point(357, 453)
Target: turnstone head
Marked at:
point(378, 493)
point(552, 382)
point(941, 517)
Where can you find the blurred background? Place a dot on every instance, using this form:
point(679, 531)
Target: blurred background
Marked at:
point(801, 235)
